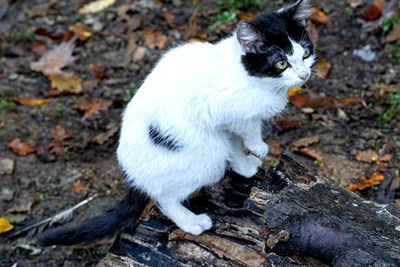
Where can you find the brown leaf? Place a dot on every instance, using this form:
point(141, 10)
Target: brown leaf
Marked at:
point(308, 152)
point(82, 31)
point(91, 106)
point(31, 101)
point(372, 12)
point(380, 3)
point(306, 141)
point(20, 147)
point(350, 101)
point(59, 142)
point(322, 68)
point(223, 247)
point(317, 16)
point(169, 17)
point(97, 71)
point(139, 54)
point(62, 37)
point(39, 48)
point(313, 33)
point(154, 39)
point(367, 156)
point(288, 122)
point(274, 147)
point(249, 16)
point(374, 179)
point(103, 137)
point(79, 188)
point(66, 82)
point(394, 35)
point(386, 157)
point(54, 60)
point(311, 101)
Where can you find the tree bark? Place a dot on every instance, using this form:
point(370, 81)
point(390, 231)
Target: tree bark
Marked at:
point(287, 217)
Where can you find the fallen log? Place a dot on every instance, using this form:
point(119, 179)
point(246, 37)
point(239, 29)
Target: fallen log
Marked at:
point(287, 217)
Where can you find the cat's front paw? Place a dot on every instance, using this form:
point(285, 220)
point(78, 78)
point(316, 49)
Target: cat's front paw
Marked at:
point(197, 224)
point(259, 149)
point(247, 166)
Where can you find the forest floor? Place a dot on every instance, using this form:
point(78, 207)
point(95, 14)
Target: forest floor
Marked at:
point(344, 123)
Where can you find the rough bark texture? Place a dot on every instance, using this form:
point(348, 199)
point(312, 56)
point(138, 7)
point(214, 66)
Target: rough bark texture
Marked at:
point(286, 217)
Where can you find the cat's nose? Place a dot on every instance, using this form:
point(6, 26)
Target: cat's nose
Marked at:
point(303, 76)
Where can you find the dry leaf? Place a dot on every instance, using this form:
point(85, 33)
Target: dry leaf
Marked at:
point(308, 152)
point(62, 37)
point(317, 16)
point(31, 101)
point(288, 122)
point(293, 91)
point(91, 106)
point(97, 71)
point(274, 147)
point(54, 60)
point(367, 156)
point(154, 39)
point(249, 16)
point(386, 157)
point(374, 179)
point(95, 6)
point(306, 141)
point(5, 225)
point(350, 101)
point(394, 35)
point(20, 147)
point(311, 101)
point(103, 137)
point(355, 3)
point(59, 142)
point(79, 188)
point(322, 68)
point(313, 33)
point(82, 31)
point(67, 82)
point(139, 54)
point(379, 3)
point(372, 12)
point(223, 247)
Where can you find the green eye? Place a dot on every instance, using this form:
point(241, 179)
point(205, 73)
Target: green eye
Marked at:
point(307, 53)
point(282, 64)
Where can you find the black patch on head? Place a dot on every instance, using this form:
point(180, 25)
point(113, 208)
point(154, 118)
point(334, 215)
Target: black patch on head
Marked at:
point(273, 31)
point(163, 140)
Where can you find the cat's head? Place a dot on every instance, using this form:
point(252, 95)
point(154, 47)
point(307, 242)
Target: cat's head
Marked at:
point(277, 45)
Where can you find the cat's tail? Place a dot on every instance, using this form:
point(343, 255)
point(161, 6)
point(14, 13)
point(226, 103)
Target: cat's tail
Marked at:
point(107, 224)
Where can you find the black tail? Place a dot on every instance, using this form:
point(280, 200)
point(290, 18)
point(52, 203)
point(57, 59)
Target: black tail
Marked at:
point(108, 224)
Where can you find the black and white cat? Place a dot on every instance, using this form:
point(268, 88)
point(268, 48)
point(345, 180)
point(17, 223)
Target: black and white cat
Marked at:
point(195, 115)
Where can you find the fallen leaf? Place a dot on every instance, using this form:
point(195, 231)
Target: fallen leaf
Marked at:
point(379, 3)
point(350, 101)
point(169, 17)
point(322, 68)
point(59, 142)
point(52, 61)
point(306, 141)
point(249, 16)
point(20, 147)
point(293, 91)
point(311, 100)
point(154, 39)
point(31, 101)
point(97, 71)
point(91, 106)
point(394, 35)
point(274, 147)
point(367, 156)
point(372, 12)
point(38, 48)
point(313, 33)
point(41, 9)
point(79, 188)
point(386, 157)
point(82, 31)
point(62, 37)
point(288, 122)
point(317, 16)
point(139, 54)
point(355, 3)
point(223, 247)
point(103, 137)
point(374, 179)
point(309, 153)
point(5, 225)
point(66, 82)
point(95, 6)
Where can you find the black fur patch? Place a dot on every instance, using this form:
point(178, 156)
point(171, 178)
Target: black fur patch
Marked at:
point(274, 30)
point(163, 140)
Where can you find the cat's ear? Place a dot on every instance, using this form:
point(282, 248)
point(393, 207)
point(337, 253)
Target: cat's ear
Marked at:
point(298, 11)
point(248, 37)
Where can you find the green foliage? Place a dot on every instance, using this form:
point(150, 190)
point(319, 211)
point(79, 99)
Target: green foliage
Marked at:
point(131, 91)
point(393, 52)
point(394, 104)
point(7, 105)
point(387, 25)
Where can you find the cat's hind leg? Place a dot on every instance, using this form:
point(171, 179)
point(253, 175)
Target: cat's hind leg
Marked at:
point(183, 217)
point(240, 162)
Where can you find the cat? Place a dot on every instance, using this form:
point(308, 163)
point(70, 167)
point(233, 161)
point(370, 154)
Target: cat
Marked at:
point(197, 113)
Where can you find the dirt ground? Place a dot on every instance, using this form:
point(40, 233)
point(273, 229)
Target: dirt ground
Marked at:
point(345, 117)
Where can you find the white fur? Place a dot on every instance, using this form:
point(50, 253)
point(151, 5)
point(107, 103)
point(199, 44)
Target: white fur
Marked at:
point(201, 95)
point(302, 10)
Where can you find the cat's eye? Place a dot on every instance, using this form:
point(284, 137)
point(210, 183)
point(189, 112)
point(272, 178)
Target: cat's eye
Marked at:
point(282, 64)
point(307, 53)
